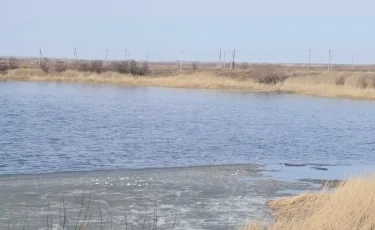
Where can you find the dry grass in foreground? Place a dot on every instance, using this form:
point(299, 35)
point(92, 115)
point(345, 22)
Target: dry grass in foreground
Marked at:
point(350, 206)
point(346, 84)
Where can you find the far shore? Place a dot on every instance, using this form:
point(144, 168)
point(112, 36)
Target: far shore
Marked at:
point(336, 84)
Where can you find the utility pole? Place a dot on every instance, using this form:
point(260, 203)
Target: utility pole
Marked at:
point(329, 59)
point(353, 62)
point(182, 57)
point(224, 59)
point(40, 56)
point(219, 62)
point(308, 67)
point(74, 58)
point(126, 53)
point(234, 57)
point(106, 56)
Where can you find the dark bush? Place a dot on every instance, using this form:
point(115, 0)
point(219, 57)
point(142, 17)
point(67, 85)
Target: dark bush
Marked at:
point(268, 75)
point(60, 66)
point(144, 69)
point(4, 67)
point(133, 67)
point(122, 67)
point(362, 82)
point(195, 66)
point(13, 63)
point(97, 66)
point(137, 70)
point(372, 78)
point(83, 67)
point(244, 65)
point(44, 65)
point(340, 80)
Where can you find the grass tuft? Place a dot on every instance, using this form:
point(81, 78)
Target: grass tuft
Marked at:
point(350, 206)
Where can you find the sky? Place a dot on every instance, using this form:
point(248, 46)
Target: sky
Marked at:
point(280, 31)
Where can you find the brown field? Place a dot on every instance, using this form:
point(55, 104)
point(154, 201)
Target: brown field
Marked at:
point(350, 206)
point(356, 82)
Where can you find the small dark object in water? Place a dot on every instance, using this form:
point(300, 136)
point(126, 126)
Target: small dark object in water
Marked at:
point(321, 164)
point(320, 168)
point(294, 165)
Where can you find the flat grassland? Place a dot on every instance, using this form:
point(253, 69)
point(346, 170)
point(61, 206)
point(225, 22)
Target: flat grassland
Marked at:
point(350, 206)
point(335, 83)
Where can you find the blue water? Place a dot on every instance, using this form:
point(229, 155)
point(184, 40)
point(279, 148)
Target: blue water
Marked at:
point(52, 127)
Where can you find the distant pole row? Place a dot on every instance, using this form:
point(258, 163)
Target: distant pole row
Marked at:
point(329, 60)
point(223, 65)
point(219, 65)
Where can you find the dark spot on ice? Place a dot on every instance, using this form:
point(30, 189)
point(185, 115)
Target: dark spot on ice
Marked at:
point(320, 168)
point(294, 165)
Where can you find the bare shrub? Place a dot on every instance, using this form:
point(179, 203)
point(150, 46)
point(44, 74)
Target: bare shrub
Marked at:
point(4, 67)
point(44, 65)
point(13, 63)
point(133, 65)
point(244, 66)
point(97, 66)
point(194, 66)
point(60, 66)
point(122, 67)
point(362, 82)
point(340, 80)
point(109, 66)
point(83, 67)
point(372, 80)
point(137, 70)
point(144, 69)
point(268, 75)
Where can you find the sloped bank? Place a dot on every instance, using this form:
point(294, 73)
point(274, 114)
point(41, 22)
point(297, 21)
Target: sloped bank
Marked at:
point(350, 206)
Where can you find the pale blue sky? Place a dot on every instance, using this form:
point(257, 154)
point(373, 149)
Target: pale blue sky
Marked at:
point(262, 30)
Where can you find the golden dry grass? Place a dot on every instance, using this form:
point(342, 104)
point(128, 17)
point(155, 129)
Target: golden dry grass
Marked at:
point(350, 206)
point(315, 83)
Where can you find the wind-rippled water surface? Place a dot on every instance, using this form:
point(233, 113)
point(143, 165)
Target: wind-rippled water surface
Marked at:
point(137, 151)
point(52, 127)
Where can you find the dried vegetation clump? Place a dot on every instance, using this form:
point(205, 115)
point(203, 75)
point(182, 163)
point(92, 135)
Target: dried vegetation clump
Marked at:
point(350, 206)
point(269, 75)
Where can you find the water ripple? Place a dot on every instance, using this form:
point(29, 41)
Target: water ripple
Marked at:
point(44, 128)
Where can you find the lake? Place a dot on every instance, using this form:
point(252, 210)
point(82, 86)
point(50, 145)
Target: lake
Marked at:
point(53, 131)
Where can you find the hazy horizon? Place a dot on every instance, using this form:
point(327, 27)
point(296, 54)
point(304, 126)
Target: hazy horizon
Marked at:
point(267, 31)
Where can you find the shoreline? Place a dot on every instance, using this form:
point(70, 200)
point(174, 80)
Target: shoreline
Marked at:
point(256, 167)
point(322, 85)
point(271, 207)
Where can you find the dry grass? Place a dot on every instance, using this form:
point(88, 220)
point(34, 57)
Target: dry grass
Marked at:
point(348, 84)
point(350, 206)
